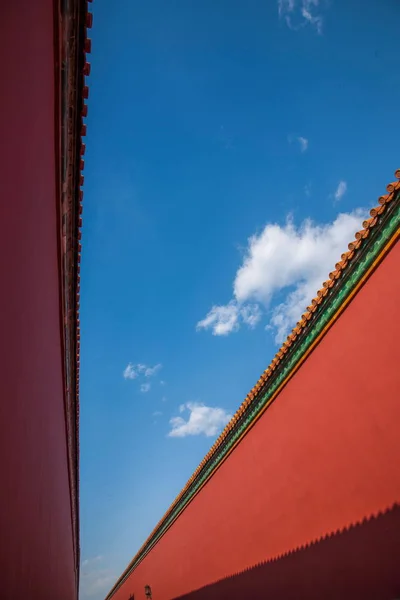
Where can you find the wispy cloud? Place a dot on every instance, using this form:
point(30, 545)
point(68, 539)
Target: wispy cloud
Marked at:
point(201, 420)
point(145, 387)
point(340, 190)
point(225, 319)
point(303, 143)
point(285, 6)
point(90, 561)
point(221, 319)
point(150, 371)
point(299, 13)
point(300, 140)
point(251, 314)
point(133, 371)
point(130, 372)
point(288, 260)
point(157, 413)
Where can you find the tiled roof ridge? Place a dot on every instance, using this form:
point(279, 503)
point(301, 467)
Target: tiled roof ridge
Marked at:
point(84, 95)
point(74, 21)
point(347, 258)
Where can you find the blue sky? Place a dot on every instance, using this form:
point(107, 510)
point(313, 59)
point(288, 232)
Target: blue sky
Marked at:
point(216, 129)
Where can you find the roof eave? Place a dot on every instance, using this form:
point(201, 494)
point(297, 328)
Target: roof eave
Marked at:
point(72, 20)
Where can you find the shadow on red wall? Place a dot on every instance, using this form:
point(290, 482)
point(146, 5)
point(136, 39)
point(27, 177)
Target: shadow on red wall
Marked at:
point(360, 563)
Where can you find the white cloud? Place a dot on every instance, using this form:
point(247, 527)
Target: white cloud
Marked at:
point(157, 413)
point(222, 319)
point(145, 387)
point(201, 420)
point(89, 561)
point(340, 190)
point(226, 319)
point(288, 260)
point(315, 20)
point(285, 6)
point(133, 371)
point(300, 140)
point(130, 372)
point(299, 13)
point(150, 371)
point(251, 314)
point(303, 143)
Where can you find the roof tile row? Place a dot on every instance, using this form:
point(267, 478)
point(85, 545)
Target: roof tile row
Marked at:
point(87, 47)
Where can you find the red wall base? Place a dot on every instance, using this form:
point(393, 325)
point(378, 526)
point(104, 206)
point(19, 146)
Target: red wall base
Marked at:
point(359, 564)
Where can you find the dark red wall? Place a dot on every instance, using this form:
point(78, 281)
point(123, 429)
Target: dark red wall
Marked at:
point(323, 456)
point(36, 550)
point(360, 564)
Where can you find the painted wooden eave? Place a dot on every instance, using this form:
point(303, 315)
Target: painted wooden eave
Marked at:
point(72, 20)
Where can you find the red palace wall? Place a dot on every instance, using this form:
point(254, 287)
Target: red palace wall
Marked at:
point(323, 456)
point(36, 549)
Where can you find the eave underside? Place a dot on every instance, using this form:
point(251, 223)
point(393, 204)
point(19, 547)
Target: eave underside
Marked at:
point(71, 44)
